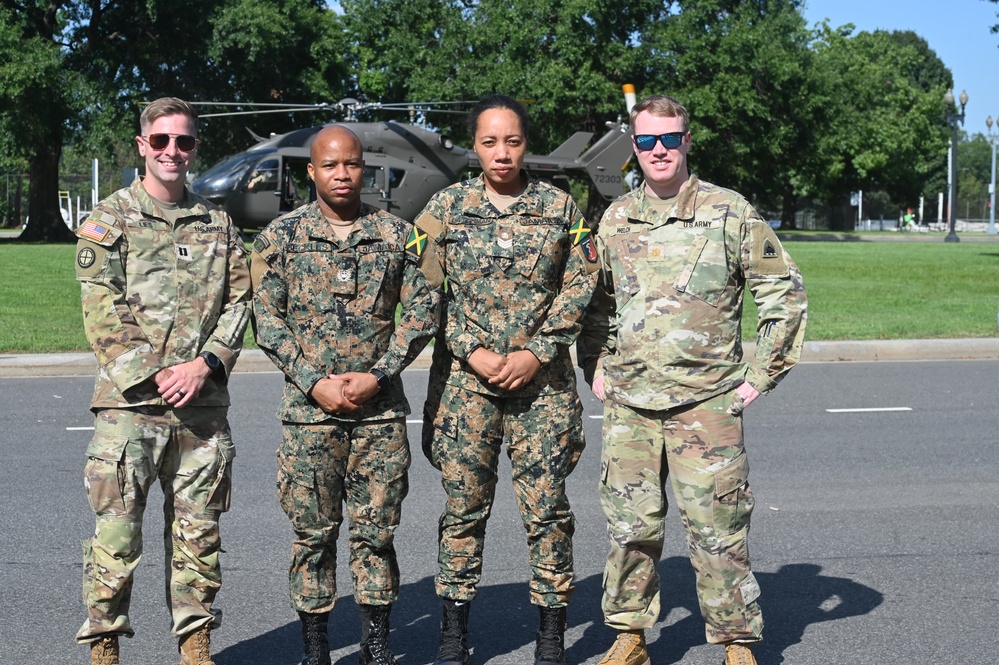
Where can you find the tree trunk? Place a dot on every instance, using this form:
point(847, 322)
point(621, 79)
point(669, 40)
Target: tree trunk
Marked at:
point(45, 222)
point(789, 206)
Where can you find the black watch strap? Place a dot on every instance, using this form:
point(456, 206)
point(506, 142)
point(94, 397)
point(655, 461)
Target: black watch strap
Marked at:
point(382, 378)
point(211, 360)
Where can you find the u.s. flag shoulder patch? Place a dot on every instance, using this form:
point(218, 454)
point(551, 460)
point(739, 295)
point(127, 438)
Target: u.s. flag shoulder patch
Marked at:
point(579, 232)
point(417, 241)
point(93, 230)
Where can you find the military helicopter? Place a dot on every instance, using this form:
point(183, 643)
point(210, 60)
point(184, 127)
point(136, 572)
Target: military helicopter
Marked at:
point(405, 164)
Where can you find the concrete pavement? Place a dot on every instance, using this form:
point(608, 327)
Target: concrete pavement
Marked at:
point(254, 360)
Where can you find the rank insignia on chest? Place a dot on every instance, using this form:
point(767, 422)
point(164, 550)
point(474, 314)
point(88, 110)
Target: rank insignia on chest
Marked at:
point(345, 274)
point(505, 240)
point(579, 231)
point(417, 241)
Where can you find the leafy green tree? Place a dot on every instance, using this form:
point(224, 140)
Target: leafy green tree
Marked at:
point(567, 58)
point(743, 70)
point(75, 71)
point(886, 124)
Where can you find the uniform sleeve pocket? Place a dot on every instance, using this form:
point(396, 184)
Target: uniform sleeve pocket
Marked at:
point(105, 474)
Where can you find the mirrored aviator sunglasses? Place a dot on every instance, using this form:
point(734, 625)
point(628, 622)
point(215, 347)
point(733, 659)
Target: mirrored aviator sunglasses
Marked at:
point(185, 142)
point(670, 141)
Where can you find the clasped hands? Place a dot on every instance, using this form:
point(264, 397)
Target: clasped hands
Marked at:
point(344, 393)
point(510, 372)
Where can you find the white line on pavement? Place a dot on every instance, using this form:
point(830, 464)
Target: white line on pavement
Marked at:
point(870, 410)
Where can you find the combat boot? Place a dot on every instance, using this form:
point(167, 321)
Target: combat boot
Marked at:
point(628, 649)
point(104, 651)
point(374, 635)
point(549, 646)
point(453, 649)
point(314, 634)
point(196, 648)
point(739, 654)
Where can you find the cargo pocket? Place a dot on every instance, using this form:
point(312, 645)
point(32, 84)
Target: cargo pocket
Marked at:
point(297, 494)
point(733, 502)
point(105, 475)
point(220, 494)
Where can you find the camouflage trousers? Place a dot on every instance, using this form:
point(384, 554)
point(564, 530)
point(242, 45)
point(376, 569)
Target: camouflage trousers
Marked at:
point(190, 451)
point(699, 447)
point(323, 466)
point(544, 437)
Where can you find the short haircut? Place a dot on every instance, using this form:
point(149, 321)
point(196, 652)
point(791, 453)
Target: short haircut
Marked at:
point(663, 106)
point(163, 107)
point(499, 102)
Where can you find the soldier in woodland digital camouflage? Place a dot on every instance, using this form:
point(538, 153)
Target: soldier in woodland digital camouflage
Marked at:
point(328, 278)
point(663, 347)
point(165, 289)
point(521, 267)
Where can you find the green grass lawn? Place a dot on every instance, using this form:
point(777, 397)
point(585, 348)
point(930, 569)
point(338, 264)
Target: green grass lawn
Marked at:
point(856, 290)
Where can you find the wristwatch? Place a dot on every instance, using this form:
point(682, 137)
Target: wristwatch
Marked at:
point(382, 378)
point(211, 360)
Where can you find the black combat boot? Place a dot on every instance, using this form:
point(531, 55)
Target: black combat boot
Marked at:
point(550, 645)
point(454, 633)
point(374, 635)
point(317, 644)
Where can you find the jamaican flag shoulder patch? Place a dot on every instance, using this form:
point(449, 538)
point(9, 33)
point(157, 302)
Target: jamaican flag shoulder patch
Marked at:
point(417, 241)
point(579, 232)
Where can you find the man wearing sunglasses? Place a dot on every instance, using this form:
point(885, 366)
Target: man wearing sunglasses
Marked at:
point(663, 351)
point(166, 291)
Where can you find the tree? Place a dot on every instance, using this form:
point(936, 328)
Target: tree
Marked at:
point(71, 69)
point(742, 68)
point(886, 128)
point(568, 58)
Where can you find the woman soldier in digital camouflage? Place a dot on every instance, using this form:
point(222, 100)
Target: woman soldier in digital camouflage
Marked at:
point(521, 268)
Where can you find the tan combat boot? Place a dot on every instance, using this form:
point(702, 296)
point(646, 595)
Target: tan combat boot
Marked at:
point(196, 648)
point(104, 651)
point(628, 649)
point(738, 654)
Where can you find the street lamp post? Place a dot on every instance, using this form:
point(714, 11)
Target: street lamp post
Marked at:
point(992, 187)
point(954, 119)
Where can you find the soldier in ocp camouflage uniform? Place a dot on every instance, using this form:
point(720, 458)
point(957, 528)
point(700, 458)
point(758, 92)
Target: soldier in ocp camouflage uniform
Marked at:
point(327, 279)
point(663, 345)
point(165, 289)
point(521, 268)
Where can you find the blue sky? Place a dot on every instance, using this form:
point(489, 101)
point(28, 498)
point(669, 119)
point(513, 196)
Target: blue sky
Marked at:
point(957, 30)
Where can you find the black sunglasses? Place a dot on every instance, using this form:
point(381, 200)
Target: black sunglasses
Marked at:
point(185, 142)
point(670, 141)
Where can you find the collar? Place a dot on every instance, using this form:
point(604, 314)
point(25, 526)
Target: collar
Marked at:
point(477, 204)
point(365, 229)
point(191, 206)
point(682, 209)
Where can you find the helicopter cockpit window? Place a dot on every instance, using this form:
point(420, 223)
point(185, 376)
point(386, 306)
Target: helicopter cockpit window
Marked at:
point(264, 177)
point(374, 179)
point(395, 177)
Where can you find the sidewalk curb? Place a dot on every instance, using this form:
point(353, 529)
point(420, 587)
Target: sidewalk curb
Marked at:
point(254, 360)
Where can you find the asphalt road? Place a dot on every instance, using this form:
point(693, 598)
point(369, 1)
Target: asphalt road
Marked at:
point(874, 537)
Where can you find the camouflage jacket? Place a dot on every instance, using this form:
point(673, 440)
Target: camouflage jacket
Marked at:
point(520, 279)
point(324, 306)
point(157, 294)
point(664, 327)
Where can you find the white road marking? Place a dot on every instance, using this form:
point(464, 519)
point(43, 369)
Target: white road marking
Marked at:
point(79, 429)
point(870, 410)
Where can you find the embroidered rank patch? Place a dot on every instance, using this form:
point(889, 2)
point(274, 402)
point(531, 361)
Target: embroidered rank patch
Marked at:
point(94, 231)
point(579, 232)
point(417, 242)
